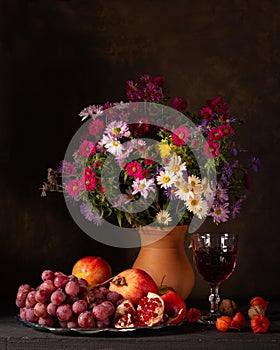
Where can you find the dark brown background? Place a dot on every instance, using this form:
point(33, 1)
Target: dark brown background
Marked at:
point(59, 56)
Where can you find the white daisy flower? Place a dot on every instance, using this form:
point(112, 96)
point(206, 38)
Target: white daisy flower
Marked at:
point(184, 191)
point(175, 165)
point(166, 178)
point(197, 206)
point(113, 145)
point(163, 217)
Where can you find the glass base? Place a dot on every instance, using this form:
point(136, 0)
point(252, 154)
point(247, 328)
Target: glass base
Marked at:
point(209, 318)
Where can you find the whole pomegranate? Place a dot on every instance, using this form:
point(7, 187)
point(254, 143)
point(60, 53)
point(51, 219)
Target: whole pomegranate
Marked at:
point(133, 284)
point(174, 305)
point(93, 269)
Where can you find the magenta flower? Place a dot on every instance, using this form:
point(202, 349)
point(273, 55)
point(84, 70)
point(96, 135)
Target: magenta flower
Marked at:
point(86, 148)
point(179, 104)
point(225, 129)
point(206, 113)
point(211, 149)
point(218, 104)
point(90, 183)
point(134, 169)
point(180, 136)
point(215, 134)
point(74, 187)
point(96, 126)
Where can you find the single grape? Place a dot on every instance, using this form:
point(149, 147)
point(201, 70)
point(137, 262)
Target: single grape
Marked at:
point(72, 288)
point(48, 286)
point(64, 312)
point(26, 288)
point(60, 279)
point(51, 309)
point(83, 282)
point(105, 323)
point(72, 278)
point(86, 320)
point(42, 296)
point(47, 275)
point(113, 296)
point(103, 310)
point(79, 306)
point(30, 316)
point(22, 313)
point(62, 324)
point(30, 299)
point(46, 321)
point(71, 300)
point(22, 293)
point(58, 297)
point(40, 310)
point(73, 322)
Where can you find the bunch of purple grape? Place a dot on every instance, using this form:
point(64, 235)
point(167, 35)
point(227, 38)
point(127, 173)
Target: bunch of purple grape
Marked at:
point(66, 301)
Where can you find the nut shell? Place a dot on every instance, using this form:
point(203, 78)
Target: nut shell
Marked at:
point(227, 307)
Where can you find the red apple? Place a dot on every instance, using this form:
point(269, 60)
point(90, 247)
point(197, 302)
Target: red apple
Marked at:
point(174, 305)
point(93, 269)
point(133, 284)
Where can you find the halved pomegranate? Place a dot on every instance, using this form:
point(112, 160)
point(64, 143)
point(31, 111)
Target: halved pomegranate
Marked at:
point(150, 310)
point(126, 315)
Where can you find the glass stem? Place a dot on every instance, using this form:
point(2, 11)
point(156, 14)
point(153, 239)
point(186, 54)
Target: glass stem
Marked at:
point(214, 298)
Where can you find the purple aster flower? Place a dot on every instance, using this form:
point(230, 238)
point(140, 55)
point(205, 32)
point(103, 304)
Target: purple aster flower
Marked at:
point(91, 214)
point(235, 209)
point(255, 163)
point(169, 192)
point(220, 213)
point(221, 193)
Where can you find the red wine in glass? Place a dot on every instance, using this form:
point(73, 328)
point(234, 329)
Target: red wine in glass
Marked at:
point(213, 264)
point(214, 256)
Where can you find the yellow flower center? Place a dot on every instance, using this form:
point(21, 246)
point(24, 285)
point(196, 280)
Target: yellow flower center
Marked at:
point(116, 130)
point(175, 168)
point(141, 186)
point(114, 143)
point(165, 179)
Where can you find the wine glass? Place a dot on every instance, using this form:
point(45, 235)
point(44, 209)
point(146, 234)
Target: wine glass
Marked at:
point(214, 256)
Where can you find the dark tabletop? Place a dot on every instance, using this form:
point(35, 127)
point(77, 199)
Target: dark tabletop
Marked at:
point(16, 335)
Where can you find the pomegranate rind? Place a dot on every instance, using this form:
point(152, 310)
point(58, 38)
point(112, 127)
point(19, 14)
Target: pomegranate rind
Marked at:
point(150, 310)
point(125, 315)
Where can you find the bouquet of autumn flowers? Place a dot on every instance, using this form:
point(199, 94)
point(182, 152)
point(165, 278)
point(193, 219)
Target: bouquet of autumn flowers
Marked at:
point(150, 161)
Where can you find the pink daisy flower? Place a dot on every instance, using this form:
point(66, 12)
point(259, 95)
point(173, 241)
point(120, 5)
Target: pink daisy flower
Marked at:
point(180, 136)
point(86, 148)
point(96, 126)
point(74, 187)
point(90, 183)
point(179, 104)
point(206, 113)
point(215, 134)
point(134, 169)
point(225, 129)
point(211, 149)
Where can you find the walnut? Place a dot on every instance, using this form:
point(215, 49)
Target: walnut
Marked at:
point(227, 307)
